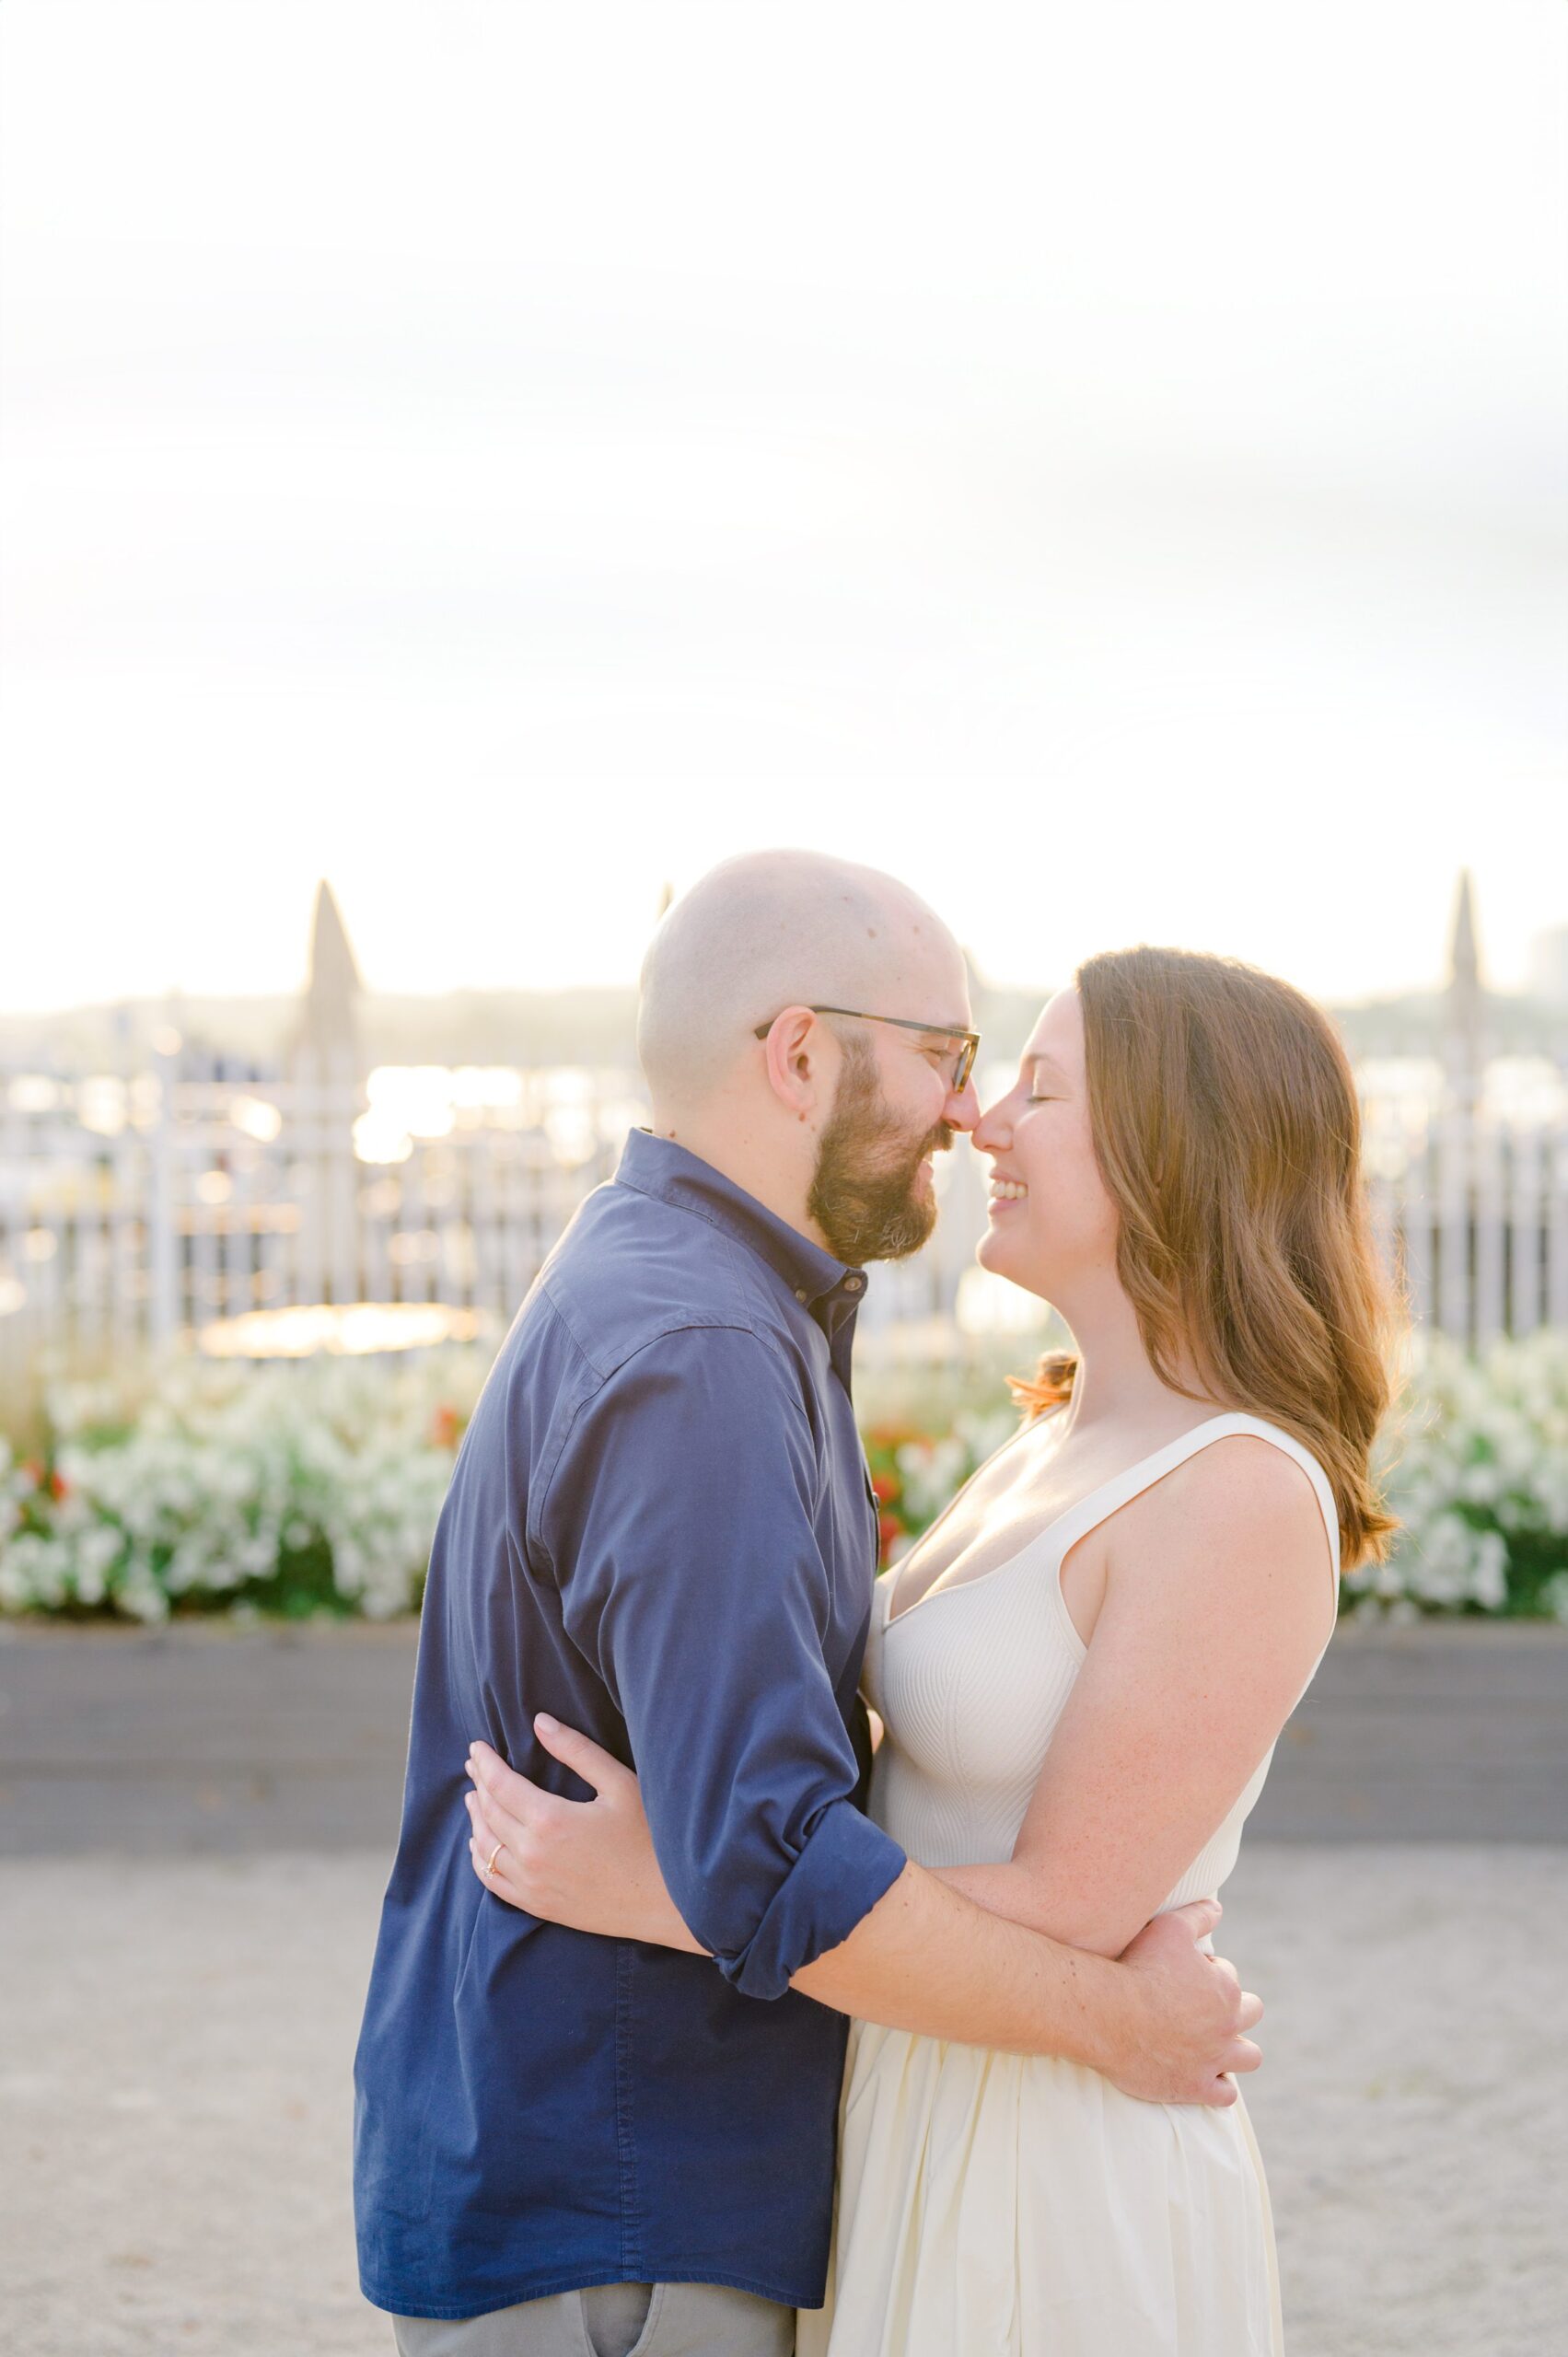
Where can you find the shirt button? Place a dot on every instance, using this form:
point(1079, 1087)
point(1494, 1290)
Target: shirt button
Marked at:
point(853, 1284)
point(801, 1294)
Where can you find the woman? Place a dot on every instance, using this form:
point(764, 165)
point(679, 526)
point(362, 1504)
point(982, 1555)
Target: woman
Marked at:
point(1085, 1664)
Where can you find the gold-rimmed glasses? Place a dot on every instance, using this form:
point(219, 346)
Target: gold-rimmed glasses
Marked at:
point(963, 1046)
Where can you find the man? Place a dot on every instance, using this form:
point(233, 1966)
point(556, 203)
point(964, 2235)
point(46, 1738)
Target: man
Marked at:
point(660, 1530)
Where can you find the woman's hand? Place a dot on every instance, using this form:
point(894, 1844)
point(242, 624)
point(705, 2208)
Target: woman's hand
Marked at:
point(586, 1864)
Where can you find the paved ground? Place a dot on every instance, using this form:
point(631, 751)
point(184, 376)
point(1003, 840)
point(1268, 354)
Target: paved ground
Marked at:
point(175, 2082)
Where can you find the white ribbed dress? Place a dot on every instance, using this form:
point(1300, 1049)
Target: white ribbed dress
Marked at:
point(1003, 2205)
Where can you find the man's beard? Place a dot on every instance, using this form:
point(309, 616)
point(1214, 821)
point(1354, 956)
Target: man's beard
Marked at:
point(863, 1190)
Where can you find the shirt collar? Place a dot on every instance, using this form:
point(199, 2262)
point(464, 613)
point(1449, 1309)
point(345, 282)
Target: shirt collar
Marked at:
point(673, 1174)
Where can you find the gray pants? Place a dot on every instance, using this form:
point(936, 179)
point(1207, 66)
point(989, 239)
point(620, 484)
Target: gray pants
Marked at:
point(613, 2320)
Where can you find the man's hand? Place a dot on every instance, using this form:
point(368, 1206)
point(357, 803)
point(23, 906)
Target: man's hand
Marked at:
point(1188, 2010)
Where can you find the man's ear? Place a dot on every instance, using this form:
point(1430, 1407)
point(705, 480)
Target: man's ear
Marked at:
point(793, 1053)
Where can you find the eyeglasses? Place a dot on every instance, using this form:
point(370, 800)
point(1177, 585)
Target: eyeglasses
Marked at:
point(962, 1046)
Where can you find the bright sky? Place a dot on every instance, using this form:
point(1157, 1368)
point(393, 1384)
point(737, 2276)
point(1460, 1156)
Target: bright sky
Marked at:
point(1106, 463)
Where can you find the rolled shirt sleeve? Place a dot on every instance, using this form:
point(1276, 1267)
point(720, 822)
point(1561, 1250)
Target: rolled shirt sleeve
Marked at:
point(680, 1529)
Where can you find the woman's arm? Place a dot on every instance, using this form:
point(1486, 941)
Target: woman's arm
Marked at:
point(1218, 1599)
point(1166, 2022)
point(599, 1874)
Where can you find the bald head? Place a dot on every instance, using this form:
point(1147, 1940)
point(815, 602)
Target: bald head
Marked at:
point(782, 928)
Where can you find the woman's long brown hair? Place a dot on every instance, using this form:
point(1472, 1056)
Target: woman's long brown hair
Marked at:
point(1227, 1129)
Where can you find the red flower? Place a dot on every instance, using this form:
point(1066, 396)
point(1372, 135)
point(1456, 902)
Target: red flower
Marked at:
point(888, 1527)
point(883, 1490)
point(444, 1426)
point(58, 1485)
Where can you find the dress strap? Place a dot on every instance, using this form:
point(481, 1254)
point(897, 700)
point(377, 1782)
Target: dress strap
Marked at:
point(1104, 1502)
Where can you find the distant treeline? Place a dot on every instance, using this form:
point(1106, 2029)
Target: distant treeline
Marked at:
point(598, 1026)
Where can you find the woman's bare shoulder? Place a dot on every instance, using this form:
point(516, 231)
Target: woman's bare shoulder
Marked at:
point(1238, 1504)
point(1247, 1474)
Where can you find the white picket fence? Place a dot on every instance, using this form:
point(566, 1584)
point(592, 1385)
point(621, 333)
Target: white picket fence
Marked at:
point(179, 1199)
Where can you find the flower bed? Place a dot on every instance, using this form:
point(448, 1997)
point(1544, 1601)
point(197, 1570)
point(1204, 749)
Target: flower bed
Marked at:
point(314, 1489)
point(1477, 1469)
point(198, 1487)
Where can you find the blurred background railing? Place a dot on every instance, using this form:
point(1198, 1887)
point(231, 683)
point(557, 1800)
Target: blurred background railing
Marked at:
point(155, 1191)
point(221, 1200)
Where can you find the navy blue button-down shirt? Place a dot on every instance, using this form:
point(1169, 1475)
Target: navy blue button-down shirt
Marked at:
point(660, 1529)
